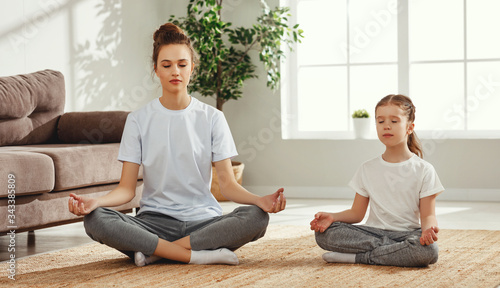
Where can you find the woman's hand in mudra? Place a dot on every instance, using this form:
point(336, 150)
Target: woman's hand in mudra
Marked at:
point(273, 203)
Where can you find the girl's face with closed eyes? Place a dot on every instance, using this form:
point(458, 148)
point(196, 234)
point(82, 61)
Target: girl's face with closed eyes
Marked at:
point(393, 127)
point(174, 68)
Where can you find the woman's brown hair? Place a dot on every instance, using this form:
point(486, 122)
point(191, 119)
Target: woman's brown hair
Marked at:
point(170, 33)
point(405, 103)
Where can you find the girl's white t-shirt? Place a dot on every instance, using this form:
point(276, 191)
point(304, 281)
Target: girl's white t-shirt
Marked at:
point(176, 149)
point(395, 190)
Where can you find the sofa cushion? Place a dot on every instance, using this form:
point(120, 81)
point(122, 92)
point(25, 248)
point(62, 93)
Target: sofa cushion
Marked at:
point(31, 106)
point(91, 127)
point(33, 172)
point(79, 165)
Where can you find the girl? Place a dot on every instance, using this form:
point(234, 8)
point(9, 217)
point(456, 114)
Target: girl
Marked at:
point(176, 138)
point(400, 187)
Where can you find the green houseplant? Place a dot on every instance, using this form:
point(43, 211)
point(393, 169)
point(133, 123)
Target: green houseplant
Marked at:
point(361, 113)
point(361, 123)
point(225, 62)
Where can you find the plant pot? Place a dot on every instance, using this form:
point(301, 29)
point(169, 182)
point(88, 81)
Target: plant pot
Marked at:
point(361, 127)
point(238, 175)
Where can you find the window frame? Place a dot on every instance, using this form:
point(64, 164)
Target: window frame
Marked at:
point(290, 71)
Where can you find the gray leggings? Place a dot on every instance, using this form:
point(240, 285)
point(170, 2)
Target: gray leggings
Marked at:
point(377, 246)
point(130, 234)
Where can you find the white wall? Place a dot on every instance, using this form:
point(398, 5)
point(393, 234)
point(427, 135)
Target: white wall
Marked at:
point(106, 61)
point(103, 48)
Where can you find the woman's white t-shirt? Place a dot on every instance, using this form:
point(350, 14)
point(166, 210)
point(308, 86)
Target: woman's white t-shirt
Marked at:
point(176, 149)
point(395, 190)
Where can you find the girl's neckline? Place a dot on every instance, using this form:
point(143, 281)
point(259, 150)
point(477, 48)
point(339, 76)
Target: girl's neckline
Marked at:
point(396, 163)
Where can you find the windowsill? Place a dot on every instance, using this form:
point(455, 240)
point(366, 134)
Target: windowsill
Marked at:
point(422, 135)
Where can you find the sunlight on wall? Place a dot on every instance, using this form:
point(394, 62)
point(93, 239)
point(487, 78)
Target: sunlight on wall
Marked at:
point(32, 36)
point(101, 46)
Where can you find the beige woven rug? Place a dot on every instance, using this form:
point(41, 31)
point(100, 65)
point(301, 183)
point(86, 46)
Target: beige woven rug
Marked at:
point(286, 257)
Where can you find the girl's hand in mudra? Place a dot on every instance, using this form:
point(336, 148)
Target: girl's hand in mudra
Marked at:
point(321, 221)
point(429, 236)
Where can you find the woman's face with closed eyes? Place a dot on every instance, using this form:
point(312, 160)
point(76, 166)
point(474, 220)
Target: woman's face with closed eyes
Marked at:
point(174, 67)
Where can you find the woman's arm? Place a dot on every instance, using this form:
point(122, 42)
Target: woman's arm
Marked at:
point(323, 220)
point(123, 193)
point(428, 220)
point(233, 191)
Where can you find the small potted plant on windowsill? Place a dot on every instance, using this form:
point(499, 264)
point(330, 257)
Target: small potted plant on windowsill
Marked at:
point(361, 123)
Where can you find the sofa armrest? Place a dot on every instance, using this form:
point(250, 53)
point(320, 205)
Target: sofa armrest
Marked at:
point(91, 127)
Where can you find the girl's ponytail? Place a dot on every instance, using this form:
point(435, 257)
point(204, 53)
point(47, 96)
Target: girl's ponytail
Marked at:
point(414, 145)
point(405, 103)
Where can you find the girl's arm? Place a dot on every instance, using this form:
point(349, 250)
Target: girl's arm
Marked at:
point(428, 220)
point(123, 193)
point(233, 191)
point(323, 220)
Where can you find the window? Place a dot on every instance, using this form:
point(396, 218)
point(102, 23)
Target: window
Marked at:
point(357, 51)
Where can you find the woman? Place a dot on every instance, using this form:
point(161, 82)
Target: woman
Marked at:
point(176, 138)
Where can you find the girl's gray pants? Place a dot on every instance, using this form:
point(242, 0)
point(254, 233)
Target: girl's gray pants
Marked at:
point(377, 246)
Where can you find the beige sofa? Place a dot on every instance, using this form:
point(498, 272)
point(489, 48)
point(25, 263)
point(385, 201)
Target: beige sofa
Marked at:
point(46, 154)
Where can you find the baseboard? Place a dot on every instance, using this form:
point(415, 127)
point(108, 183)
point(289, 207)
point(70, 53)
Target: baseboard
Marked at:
point(322, 192)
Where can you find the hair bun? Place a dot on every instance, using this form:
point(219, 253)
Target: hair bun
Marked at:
point(168, 34)
point(167, 28)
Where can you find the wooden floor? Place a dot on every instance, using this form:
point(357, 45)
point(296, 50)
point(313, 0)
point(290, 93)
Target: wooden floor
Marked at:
point(44, 240)
point(451, 215)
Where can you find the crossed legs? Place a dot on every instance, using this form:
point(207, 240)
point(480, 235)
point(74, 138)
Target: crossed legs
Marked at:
point(370, 245)
point(163, 236)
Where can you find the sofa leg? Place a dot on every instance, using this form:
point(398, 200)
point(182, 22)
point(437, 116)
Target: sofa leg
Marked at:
point(31, 238)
